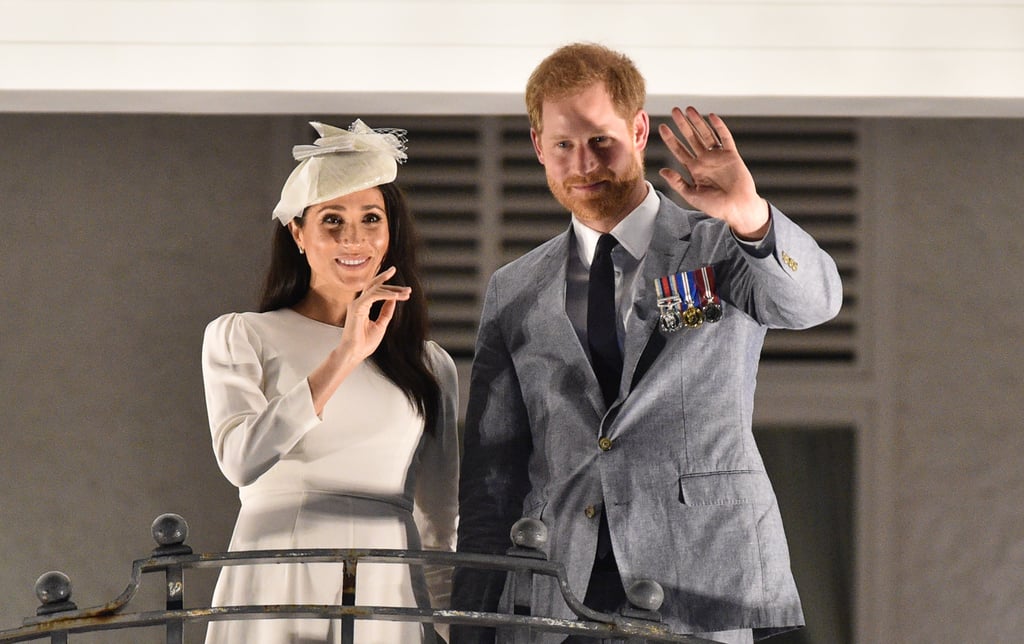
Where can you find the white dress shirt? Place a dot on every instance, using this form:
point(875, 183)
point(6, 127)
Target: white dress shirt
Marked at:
point(634, 234)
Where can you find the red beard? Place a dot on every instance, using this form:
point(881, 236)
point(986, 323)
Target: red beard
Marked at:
point(610, 203)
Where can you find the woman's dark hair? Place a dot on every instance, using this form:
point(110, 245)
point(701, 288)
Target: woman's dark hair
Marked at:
point(401, 355)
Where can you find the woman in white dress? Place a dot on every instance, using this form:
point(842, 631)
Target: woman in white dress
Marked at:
point(329, 409)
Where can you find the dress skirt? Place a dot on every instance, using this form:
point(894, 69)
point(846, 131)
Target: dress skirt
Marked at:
point(320, 520)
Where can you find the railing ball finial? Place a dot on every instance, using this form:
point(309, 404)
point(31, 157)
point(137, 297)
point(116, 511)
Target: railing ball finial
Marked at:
point(529, 533)
point(53, 589)
point(646, 594)
point(170, 530)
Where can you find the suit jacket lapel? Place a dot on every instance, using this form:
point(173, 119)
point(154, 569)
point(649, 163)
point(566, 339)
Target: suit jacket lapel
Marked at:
point(550, 283)
point(669, 245)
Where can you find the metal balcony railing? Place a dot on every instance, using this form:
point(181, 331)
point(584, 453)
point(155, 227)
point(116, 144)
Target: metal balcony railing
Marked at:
point(58, 617)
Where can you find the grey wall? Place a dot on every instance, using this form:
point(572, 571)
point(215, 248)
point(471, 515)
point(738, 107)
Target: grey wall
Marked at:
point(124, 235)
point(121, 237)
point(950, 199)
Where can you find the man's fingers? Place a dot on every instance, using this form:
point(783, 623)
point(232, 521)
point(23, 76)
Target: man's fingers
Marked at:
point(702, 135)
point(702, 131)
point(721, 131)
point(675, 146)
point(675, 180)
point(699, 135)
point(693, 142)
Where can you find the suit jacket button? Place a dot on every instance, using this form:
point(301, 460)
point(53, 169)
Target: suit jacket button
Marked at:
point(590, 511)
point(605, 443)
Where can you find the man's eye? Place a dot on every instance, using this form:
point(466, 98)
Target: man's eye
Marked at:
point(563, 145)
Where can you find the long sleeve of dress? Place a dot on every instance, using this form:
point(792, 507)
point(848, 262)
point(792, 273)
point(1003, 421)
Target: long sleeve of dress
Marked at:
point(250, 430)
point(437, 481)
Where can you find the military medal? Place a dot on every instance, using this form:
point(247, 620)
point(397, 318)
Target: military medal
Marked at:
point(712, 304)
point(668, 305)
point(693, 317)
point(688, 299)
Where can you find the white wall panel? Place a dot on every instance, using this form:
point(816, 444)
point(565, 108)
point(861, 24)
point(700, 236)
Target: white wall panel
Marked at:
point(460, 56)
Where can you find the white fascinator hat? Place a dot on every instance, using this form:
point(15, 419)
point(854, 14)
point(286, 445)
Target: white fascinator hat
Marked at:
point(338, 163)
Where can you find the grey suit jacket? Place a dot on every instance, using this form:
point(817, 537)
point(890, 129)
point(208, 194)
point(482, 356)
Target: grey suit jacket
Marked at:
point(687, 499)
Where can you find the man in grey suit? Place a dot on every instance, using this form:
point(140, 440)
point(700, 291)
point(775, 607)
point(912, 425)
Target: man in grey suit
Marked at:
point(613, 384)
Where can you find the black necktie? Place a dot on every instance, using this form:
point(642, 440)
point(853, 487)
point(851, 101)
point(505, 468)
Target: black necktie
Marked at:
point(601, 315)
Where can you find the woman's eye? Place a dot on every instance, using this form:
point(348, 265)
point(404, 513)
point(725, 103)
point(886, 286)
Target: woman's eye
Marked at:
point(333, 220)
point(371, 219)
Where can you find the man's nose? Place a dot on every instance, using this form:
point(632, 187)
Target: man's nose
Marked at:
point(586, 160)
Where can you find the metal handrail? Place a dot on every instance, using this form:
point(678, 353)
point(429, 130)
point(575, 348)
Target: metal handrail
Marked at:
point(57, 616)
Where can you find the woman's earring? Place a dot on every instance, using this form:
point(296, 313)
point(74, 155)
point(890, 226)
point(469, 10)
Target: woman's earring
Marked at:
point(302, 251)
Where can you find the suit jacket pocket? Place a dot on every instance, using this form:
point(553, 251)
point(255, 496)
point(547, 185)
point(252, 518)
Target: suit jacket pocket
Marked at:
point(702, 547)
point(724, 488)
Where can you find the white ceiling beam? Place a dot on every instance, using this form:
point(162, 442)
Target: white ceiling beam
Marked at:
point(767, 57)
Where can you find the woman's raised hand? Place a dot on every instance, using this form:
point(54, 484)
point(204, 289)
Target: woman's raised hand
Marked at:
point(363, 335)
point(360, 337)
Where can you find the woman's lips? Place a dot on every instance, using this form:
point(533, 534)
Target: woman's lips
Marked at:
point(353, 263)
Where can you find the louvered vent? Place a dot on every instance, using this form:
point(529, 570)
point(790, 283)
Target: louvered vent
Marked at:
point(481, 200)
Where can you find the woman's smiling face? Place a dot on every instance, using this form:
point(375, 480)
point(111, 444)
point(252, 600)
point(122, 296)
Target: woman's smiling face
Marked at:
point(345, 241)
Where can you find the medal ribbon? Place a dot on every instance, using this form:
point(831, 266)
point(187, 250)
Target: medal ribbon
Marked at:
point(707, 291)
point(663, 286)
point(667, 290)
point(686, 284)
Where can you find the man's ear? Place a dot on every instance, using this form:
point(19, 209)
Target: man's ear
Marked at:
point(641, 129)
point(535, 138)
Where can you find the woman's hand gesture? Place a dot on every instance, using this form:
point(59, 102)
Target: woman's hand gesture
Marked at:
point(362, 335)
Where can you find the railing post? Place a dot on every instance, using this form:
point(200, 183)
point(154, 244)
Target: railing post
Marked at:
point(54, 592)
point(170, 532)
point(529, 537)
point(645, 597)
point(348, 598)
